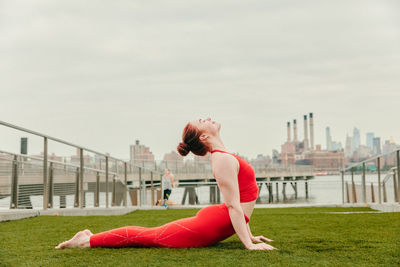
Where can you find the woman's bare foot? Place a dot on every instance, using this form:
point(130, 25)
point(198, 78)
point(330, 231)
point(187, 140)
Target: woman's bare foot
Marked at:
point(80, 240)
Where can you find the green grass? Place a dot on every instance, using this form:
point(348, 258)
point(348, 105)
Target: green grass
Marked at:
point(304, 236)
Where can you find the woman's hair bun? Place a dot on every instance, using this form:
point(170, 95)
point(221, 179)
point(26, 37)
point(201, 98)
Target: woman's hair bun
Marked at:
point(183, 149)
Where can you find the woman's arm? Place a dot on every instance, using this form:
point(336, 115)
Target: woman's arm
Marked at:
point(225, 169)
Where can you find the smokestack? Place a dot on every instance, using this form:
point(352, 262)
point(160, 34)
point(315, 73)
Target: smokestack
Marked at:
point(288, 131)
point(311, 131)
point(294, 131)
point(305, 133)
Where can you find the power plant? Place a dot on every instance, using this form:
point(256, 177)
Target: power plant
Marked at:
point(296, 152)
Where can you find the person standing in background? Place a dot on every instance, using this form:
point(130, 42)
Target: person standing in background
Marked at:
point(167, 184)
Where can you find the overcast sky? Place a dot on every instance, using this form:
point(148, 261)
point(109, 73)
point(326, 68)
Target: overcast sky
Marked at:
point(104, 73)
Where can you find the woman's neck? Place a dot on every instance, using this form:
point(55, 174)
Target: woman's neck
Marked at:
point(217, 144)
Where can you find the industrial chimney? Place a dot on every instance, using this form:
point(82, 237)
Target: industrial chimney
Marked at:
point(311, 131)
point(305, 133)
point(288, 131)
point(294, 131)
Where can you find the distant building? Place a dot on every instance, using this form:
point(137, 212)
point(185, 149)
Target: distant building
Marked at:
point(325, 161)
point(348, 148)
point(328, 139)
point(376, 148)
point(356, 142)
point(260, 162)
point(370, 141)
point(140, 154)
point(362, 152)
point(76, 159)
point(388, 147)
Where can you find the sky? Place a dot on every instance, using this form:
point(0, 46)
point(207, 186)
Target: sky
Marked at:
point(103, 74)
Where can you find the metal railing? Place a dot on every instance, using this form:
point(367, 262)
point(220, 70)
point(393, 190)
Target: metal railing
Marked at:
point(374, 168)
point(23, 178)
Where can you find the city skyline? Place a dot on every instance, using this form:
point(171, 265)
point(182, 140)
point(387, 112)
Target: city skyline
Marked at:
point(122, 71)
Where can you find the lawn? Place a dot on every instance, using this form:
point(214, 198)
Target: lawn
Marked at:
point(304, 236)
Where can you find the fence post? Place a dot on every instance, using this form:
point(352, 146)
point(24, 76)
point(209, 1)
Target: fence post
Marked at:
point(372, 193)
point(396, 197)
point(51, 186)
point(82, 192)
point(14, 184)
point(106, 181)
point(140, 187)
point(364, 188)
point(45, 173)
point(398, 175)
point(353, 187)
point(76, 202)
point(342, 187)
point(97, 194)
point(113, 202)
point(126, 184)
point(152, 188)
point(379, 181)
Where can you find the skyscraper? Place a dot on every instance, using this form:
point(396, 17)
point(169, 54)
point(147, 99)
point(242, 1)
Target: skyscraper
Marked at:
point(328, 139)
point(356, 142)
point(348, 148)
point(370, 141)
point(376, 145)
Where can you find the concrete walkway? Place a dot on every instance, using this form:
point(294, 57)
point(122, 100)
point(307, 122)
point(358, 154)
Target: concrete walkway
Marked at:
point(9, 215)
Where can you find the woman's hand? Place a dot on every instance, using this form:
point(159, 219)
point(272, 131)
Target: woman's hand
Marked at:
point(260, 238)
point(260, 246)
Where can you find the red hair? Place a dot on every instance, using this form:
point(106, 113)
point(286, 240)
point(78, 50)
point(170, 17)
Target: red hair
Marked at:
point(191, 142)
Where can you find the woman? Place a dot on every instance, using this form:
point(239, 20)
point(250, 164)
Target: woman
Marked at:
point(167, 184)
point(236, 181)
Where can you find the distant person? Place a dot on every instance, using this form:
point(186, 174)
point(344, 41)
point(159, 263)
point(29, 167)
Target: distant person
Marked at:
point(167, 184)
point(212, 224)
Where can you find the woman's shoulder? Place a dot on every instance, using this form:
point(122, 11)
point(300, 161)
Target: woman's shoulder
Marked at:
point(223, 160)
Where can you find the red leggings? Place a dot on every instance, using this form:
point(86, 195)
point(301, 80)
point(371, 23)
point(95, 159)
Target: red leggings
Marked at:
point(210, 225)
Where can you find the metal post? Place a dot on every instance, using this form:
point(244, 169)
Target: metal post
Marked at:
point(113, 200)
point(152, 188)
point(396, 197)
point(379, 180)
point(343, 187)
point(14, 184)
point(97, 194)
point(364, 188)
point(45, 173)
point(82, 193)
point(353, 186)
point(125, 182)
point(398, 175)
point(372, 193)
point(51, 186)
point(140, 187)
point(384, 192)
point(106, 182)
point(76, 202)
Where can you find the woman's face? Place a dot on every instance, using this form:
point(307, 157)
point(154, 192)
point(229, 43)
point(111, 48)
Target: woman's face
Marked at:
point(166, 171)
point(207, 126)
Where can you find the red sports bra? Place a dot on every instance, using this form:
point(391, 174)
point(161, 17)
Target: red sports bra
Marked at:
point(247, 179)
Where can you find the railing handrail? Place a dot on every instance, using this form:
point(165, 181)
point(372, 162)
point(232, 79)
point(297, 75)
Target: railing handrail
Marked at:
point(369, 159)
point(57, 162)
point(71, 144)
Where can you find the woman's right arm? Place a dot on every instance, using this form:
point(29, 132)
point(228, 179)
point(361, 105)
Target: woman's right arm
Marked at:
point(225, 169)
